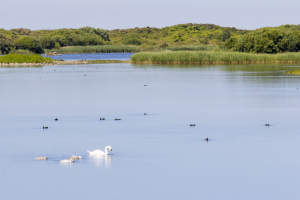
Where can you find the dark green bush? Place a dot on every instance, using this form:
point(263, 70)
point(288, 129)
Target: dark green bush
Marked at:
point(131, 39)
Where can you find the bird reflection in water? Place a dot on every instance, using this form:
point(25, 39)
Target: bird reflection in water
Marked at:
point(101, 160)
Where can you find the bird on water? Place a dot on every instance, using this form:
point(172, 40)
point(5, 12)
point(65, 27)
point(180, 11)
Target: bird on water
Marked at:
point(99, 152)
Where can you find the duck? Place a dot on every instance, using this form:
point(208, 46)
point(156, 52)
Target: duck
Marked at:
point(99, 152)
point(41, 158)
point(267, 124)
point(55, 119)
point(45, 127)
point(206, 139)
point(145, 85)
point(102, 118)
point(145, 113)
point(117, 119)
point(192, 124)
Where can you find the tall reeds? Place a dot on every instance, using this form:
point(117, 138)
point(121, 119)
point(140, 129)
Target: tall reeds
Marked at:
point(213, 57)
point(94, 49)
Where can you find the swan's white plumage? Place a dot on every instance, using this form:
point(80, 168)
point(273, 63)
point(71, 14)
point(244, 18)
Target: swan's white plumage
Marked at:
point(67, 161)
point(99, 152)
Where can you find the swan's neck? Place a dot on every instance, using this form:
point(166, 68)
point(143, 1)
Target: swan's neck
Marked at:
point(106, 150)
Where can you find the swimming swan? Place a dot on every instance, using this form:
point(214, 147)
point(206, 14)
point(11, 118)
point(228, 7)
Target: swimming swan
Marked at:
point(67, 161)
point(99, 152)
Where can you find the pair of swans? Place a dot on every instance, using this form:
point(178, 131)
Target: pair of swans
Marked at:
point(99, 152)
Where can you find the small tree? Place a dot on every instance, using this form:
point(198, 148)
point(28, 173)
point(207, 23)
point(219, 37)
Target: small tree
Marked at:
point(57, 45)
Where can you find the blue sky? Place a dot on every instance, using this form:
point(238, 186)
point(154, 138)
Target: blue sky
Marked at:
point(113, 14)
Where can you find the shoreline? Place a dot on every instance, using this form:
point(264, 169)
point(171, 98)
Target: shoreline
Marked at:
point(149, 62)
point(66, 63)
point(215, 62)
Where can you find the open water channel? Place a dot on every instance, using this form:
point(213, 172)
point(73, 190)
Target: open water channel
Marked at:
point(157, 155)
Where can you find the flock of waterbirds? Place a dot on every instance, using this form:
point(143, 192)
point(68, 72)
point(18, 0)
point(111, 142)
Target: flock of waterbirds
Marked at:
point(96, 152)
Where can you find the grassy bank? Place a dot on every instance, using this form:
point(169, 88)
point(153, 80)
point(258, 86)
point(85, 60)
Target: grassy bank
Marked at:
point(94, 49)
point(213, 57)
point(18, 58)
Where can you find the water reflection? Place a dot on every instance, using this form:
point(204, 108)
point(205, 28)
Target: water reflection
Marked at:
point(100, 160)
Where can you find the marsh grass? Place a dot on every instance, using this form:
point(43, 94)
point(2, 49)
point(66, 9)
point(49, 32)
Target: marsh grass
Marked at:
point(107, 61)
point(128, 49)
point(18, 58)
point(94, 49)
point(204, 57)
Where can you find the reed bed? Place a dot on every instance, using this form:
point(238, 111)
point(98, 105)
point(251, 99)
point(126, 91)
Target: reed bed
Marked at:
point(94, 49)
point(107, 61)
point(193, 48)
point(18, 58)
point(203, 57)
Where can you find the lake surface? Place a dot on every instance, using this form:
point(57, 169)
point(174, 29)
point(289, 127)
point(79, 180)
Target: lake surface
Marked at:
point(158, 155)
point(93, 56)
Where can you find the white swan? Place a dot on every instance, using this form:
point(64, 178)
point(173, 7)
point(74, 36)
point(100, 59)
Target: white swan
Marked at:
point(99, 152)
point(67, 161)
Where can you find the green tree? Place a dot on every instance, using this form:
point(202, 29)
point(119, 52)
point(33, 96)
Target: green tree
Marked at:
point(57, 45)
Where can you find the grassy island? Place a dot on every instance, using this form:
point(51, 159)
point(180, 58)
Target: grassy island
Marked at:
point(197, 57)
point(18, 58)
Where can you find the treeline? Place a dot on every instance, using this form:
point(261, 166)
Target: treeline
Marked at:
point(188, 37)
point(280, 39)
point(37, 41)
point(177, 35)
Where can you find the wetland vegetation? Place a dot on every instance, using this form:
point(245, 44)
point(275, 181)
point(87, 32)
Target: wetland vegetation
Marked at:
point(213, 57)
point(18, 58)
point(199, 43)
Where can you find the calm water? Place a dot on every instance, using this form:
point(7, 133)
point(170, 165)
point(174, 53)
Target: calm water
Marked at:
point(158, 155)
point(93, 56)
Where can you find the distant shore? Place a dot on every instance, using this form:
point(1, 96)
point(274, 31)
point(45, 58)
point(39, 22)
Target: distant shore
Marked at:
point(66, 63)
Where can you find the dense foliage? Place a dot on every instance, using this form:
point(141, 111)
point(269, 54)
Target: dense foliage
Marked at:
point(182, 34)
point(18, 58)
point(188, 37)
point(267, 40)
point(36, 41)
